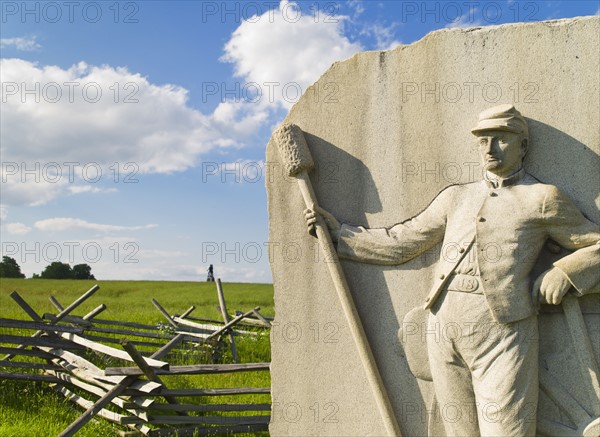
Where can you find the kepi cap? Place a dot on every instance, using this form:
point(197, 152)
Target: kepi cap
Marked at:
point(502, 117)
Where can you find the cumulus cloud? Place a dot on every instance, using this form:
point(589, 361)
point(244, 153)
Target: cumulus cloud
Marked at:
point(287, 48)
point(117, 115)
point(27, 190)
point(101, 115)
point(24, 44)
point(104, 115)
point(67, 224)
point(238, 118)
point(17, 228)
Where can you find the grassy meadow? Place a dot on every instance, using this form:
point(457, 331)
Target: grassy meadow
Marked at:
point(34, 409)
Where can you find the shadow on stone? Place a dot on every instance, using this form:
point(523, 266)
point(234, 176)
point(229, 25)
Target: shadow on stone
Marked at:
point(552, 153)
point(370, 289)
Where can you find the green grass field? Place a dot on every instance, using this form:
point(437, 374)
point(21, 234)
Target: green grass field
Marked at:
point(33, 409)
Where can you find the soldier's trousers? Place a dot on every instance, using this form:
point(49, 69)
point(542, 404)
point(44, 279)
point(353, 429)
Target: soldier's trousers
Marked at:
point(485, 374)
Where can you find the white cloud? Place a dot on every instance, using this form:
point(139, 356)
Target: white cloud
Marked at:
point(149, 125)
point(156, 130)
point(31, 192)
point(24, 44)
point(287, 48)
point(3, 212)
point(66, 223)
point(384, 35)
point(358, 7)
point(466, 20)
point(79, 189)
point(239, 117)
point(17, 228)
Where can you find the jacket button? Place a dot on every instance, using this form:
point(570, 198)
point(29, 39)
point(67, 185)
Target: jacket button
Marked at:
point(461, 250)
point(442, 276)
point(427, 299)
point(493, 194)
point(481, 219)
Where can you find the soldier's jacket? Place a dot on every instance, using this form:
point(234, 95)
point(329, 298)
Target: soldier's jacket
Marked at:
point(509, 225)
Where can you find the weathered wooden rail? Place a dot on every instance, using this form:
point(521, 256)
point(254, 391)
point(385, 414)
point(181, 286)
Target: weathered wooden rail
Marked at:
point(70, 353)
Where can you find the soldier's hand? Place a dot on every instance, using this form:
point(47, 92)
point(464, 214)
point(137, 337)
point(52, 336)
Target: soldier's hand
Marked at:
point(311, 214)
point(551, 286)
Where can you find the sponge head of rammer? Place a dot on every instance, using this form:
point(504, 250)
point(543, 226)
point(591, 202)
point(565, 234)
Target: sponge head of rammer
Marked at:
point(293, 150)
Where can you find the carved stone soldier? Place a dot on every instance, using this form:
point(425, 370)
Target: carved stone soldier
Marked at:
point(491, 364)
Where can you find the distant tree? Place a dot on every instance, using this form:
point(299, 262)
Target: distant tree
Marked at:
point(35, 276)
point(57, 270)
point(9, 268)
point(82, 271)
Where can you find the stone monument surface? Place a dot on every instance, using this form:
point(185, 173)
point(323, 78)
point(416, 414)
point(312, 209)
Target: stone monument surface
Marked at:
point(387, 132)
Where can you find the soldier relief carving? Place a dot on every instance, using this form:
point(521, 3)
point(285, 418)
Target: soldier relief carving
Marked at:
point(489, 371)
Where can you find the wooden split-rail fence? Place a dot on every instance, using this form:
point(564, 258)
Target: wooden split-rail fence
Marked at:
point(76, 355)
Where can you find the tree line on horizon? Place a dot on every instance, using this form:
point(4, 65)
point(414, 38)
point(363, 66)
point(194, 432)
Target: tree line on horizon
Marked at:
point(9, 268)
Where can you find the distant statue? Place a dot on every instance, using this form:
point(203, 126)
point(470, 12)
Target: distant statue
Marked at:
point(494, 360)
point(210, 277)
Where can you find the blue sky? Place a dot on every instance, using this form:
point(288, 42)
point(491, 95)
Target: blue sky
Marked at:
point(133, 133)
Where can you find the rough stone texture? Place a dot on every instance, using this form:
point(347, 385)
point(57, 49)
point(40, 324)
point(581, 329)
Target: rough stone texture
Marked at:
point(388, 131)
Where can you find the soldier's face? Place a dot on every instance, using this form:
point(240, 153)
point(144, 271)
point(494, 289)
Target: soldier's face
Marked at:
point(501, 152)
